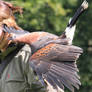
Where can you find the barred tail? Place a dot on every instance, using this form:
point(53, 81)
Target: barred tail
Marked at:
point(79, 11)
point(70, 29)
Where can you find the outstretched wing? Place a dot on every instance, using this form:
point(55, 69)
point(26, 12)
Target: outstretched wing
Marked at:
point(56, 64)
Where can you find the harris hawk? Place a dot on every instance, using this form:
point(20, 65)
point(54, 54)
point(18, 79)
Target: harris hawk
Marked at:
point(53, 57)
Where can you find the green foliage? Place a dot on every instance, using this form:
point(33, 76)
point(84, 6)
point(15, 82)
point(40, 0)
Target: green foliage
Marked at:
point(52, 16)
point(46, 15)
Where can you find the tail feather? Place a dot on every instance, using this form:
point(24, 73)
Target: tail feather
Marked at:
point(70, 29)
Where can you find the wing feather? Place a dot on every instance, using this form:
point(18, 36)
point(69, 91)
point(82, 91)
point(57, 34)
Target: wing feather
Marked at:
point(62, 80)
point(56, 64)
point(55, 79)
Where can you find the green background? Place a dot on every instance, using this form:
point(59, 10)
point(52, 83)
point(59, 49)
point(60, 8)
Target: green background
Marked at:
point(52, 16)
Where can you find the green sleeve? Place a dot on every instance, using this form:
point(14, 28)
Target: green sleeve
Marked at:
point(15, 77)
point(18, 76)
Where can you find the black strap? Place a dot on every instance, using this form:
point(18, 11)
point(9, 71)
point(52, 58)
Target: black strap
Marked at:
point(8, 59)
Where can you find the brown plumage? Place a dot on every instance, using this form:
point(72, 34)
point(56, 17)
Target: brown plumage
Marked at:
point(53, 57)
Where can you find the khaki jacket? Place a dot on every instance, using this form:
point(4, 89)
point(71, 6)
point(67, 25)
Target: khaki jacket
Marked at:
point(18, 76)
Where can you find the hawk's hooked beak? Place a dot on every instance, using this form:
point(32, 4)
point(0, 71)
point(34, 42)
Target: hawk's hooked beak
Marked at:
point(15, 35)
point(4, 42)
point(8, 30)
